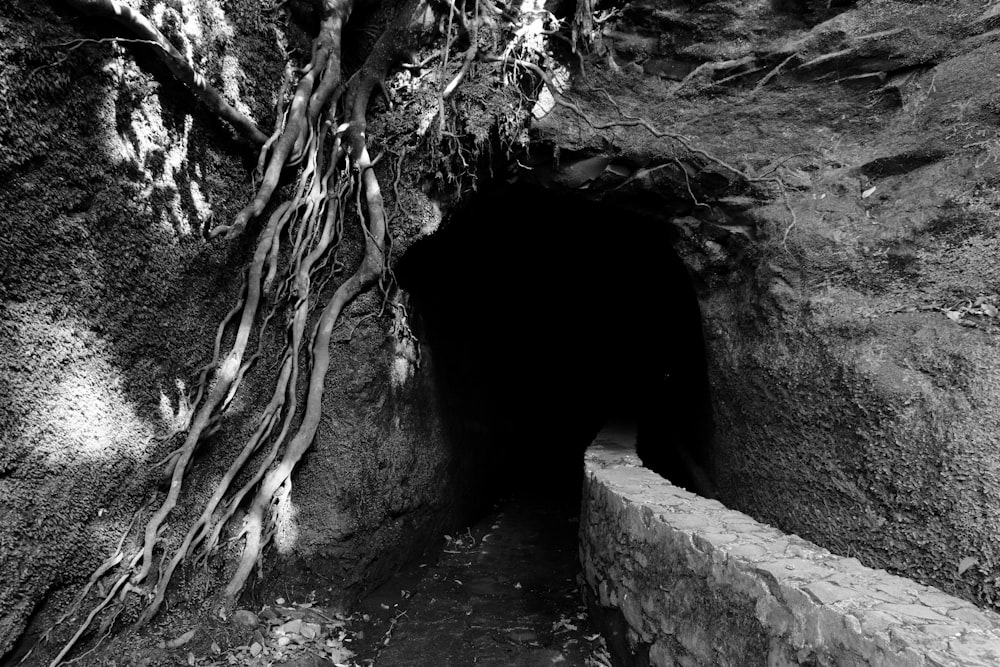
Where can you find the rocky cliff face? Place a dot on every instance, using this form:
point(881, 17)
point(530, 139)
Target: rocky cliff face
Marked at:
point(111, 296)
point(830, 170)
point(829, 174)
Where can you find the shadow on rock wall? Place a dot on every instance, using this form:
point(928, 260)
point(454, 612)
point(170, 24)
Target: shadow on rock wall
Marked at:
point(110, 295)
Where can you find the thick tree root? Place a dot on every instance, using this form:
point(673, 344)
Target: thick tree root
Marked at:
point(313, 92)
point(370, 270)
point(386, 50)
point(205, 413)
point(323, 132)
point(140, 26)
point(314, 218)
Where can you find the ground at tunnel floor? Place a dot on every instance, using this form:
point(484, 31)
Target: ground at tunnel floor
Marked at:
point(504, 593)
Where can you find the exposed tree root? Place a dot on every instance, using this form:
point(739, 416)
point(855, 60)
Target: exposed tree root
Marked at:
point(633, 121)
point(370, 270)
point(561, 99)
point(323, 133)
point(315, 89)
point(323, 130)
point(387, 49)
point(140, 26)
point(97, 575)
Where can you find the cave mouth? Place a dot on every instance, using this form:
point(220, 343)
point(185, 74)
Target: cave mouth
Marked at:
point(548, 315)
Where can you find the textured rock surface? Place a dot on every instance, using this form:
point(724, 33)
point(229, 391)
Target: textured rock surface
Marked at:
point(699, 584)
point(109, 297)
point(852, 353)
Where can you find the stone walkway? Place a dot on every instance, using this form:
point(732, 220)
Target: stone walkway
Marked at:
point(506, 593)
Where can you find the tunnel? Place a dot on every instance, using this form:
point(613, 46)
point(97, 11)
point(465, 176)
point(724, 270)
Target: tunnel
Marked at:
point(547, 315)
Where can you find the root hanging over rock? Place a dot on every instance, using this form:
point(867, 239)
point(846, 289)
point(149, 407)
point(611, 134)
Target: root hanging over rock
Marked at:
point(322, 131)
point(143, 29)
point(334, 166)
point(335, 196)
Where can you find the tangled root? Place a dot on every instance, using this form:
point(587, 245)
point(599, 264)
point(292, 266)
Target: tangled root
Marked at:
point(328, 139)
point(322, 132)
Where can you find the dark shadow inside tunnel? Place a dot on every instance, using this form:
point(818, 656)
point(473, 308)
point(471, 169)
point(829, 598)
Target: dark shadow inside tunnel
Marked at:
point(547, 316)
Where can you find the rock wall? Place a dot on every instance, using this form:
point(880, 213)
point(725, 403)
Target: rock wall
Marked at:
point(680, 580)
point(110, 296)
point(830, 176)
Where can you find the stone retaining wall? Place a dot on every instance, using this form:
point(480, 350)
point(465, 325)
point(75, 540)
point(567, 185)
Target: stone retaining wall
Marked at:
point(676, 579)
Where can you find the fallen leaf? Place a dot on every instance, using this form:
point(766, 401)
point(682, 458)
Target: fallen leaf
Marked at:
point(291, 627)
point(190, 657)
point(966, 563)
point(245, 618)
point(868, 193)
point(989, 310)
point(310, 630)
point(953, 315)
point(180, 641)
point(255, 649)
point(216, 649)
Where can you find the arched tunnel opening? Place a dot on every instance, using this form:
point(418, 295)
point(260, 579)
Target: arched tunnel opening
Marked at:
point(548, 316)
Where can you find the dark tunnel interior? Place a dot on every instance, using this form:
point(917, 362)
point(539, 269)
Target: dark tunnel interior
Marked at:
point(546, 317)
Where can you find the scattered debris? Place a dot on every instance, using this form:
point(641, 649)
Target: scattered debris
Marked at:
point(982, 306)
point(600, 656)
point(294, 634)
point(179, 641)
point(245, 618)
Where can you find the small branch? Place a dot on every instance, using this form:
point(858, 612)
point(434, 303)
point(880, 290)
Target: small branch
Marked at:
point(687, 182)
point(632, 121)
point(423, 63)
point(74, 44)
point(791, 225)
point(770, 75)
point(711, 67)
point(470, 57)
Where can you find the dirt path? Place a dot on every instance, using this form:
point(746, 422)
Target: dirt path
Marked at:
point(505, 593)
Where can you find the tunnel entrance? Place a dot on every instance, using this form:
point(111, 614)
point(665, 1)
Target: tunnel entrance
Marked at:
point(547, 316)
